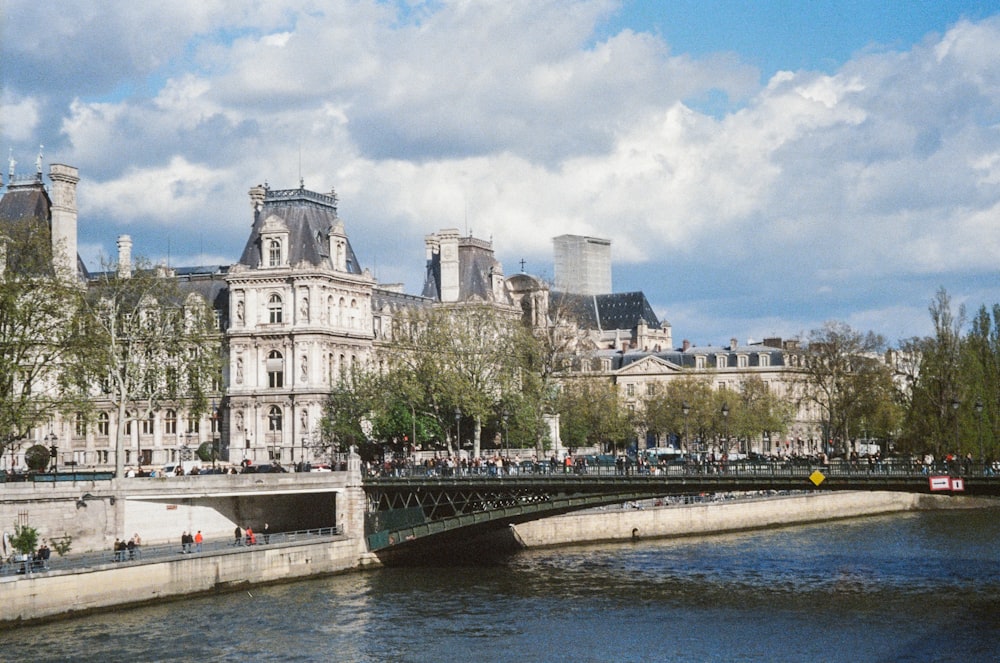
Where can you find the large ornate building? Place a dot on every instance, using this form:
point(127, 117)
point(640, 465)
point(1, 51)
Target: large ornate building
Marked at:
point(298, 310)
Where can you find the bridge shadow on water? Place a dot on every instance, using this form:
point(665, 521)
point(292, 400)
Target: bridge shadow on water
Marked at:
point(456, 548)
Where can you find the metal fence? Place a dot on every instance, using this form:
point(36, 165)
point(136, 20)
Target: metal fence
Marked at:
point(148, 554)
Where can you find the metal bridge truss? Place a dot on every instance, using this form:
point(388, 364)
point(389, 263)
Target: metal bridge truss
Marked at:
point(402, 510)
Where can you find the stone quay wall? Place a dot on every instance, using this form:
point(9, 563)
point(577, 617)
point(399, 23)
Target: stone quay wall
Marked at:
point(61, 594)
point(622, 524)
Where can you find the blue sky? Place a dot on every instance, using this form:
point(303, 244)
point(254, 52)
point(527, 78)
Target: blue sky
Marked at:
point(760, 167)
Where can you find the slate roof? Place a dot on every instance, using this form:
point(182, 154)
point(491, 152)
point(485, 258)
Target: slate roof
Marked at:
point(476, 266)
point(619, 310)
point(310, 218)
point(27, 199)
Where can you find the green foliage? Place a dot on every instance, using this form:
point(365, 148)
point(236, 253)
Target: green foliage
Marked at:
point(37, 457)
point(25, 539)
point(207, 452)
point(154, 345)
point(844, 376)
point(591, 412)
point(62, 544)
point(40, 333)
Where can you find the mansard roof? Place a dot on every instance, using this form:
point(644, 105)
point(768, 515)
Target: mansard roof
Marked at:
point(619, 310)
point(25, 200)
point(310, 218)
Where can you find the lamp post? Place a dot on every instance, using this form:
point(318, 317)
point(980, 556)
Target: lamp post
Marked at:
point(51, 440)
point(685, 410)
point(954, 406)
point(458, 432)
point(725, 419)
point(506, 434)
point(979, 429)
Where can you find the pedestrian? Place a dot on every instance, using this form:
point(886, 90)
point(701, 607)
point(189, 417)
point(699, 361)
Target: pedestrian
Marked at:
point(239, 536)
point(198, 539)
point(131, 548)
point(251, 537)
point(267, 533)
point(186, 540)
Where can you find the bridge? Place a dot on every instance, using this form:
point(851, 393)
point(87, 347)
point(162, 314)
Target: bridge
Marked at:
point(413, 505)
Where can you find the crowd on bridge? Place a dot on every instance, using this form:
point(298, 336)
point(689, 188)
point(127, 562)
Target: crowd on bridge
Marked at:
point(622, 464)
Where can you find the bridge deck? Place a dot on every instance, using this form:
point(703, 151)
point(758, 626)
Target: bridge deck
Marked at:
point(408, 504)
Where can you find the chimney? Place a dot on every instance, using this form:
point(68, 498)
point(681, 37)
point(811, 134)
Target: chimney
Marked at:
point(257, 195)
point(124, 256)
point(64, 218)
point(450, 283)
point(685, 345)
point(732, 344)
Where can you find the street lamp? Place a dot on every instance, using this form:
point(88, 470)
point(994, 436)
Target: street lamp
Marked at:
point(51, 440)
point(506, 434)
point(458, 432)
point(685, 410)
point(725, 419)
point(979, 428)
point(954, 406)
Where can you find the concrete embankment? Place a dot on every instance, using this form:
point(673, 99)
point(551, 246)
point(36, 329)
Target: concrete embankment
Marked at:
point(622, 524)
point(64, 593)
point(61, 594)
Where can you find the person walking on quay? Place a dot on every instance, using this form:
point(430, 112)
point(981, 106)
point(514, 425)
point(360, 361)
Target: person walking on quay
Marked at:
point(251, 537)
point(267, 533)
point(186, 541)
point(239, 536)
point(198, 539)
point(131, 548)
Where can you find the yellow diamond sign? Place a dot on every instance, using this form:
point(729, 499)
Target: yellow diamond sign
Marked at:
point(817, 477)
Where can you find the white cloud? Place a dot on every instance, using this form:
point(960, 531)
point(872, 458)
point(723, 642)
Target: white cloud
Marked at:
point(511, 119)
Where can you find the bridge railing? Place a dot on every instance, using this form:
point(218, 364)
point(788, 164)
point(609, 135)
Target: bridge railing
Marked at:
point(734, 468)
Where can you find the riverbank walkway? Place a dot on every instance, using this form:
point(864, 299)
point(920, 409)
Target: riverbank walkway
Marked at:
point(149, 554)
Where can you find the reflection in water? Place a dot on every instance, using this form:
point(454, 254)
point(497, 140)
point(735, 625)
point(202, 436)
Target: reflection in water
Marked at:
point(913, 587)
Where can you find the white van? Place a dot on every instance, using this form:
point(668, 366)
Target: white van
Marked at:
point(187, 465)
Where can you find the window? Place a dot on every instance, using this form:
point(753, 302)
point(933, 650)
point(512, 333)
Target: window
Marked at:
point(103, 424)
point(764, 359)
point(275, 370)
point(630, 389)
point(742, 361)
point(80, 425)
point(274, 419)
point(170, 422)
point(273, 253)
point(128, 423)
point(699, 362)
point(274, 309)
point(193, 424)
point(650, 388)
point(148, 424)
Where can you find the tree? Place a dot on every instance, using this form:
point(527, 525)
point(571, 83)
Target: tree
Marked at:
point(981, 370)
point(25, 539)
point(841, 369)
point(591, 413)
point(154, 345)
point(41, 336)
point(466, 359)
point(936, 384)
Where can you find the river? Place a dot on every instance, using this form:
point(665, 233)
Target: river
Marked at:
point(906, 587)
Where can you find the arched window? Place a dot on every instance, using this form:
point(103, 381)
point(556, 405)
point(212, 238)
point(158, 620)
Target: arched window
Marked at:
point(274, 309)
point(275, 370)
point(170, 422)
point(273, 253)
point(274, 419)
point(103, 424)
point(148, 424)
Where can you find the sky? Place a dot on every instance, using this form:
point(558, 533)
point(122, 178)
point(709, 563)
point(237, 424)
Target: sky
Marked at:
point(760, 168)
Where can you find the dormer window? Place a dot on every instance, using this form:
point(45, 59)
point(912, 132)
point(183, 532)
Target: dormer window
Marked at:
point(274, 253)
point(274, 242)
